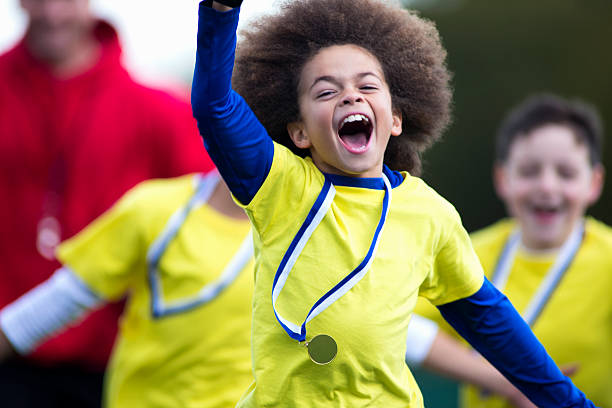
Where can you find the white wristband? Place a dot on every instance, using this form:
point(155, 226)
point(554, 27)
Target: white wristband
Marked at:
point(421, 335)
point(46, 309)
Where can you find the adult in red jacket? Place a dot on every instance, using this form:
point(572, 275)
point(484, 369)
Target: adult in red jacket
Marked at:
point(76, 132)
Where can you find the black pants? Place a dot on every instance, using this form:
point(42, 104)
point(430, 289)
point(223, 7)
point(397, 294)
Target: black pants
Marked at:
point(25, 385)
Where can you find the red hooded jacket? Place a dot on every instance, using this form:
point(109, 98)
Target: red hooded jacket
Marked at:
point(70, 148)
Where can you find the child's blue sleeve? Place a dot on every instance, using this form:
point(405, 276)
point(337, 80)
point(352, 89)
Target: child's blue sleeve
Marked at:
point(236, 141)
point(489, 322)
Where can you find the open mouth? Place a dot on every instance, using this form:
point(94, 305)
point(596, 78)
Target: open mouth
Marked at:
point(545, 212)
point(355, 132)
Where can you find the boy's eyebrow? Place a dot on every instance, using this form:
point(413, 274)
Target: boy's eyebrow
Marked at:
point(325, 78)
point(334, 80)
point(365, 74)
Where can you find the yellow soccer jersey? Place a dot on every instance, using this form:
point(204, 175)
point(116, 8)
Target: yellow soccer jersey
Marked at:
point(423, 249)
point(575, 325)
point(198, 356)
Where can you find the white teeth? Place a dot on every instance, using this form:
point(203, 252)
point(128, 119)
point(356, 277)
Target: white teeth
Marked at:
point(354, 118)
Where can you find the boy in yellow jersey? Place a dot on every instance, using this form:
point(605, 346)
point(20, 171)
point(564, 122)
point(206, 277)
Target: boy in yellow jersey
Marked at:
point(180, 250)
point(343, 91)
point(552, 262)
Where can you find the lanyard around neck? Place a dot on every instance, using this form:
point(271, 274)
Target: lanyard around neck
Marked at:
point(553, 277)
point(205, 187)
point(313, 219)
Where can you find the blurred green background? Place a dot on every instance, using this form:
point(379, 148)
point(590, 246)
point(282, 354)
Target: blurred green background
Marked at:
point(500, 52)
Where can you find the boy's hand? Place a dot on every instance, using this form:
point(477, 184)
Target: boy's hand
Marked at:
point(569, 369)
point(226, 5)
point(6, 349)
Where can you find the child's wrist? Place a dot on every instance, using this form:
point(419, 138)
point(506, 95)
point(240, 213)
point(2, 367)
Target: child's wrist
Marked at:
point(6, 348)
point(227, 4)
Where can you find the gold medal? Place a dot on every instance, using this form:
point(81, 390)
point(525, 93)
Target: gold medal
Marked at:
point(322, 349)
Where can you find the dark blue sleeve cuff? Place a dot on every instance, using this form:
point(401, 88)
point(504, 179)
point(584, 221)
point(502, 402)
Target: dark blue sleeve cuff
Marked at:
point(489, 322)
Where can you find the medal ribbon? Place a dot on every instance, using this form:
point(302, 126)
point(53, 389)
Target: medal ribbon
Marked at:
point(313, 219)
point(205, 187)
point(551, 280)
point(553, 277)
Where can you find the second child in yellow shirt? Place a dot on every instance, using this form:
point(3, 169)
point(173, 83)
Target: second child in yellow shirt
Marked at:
point(180, 251)
point(345, 95)
point(550, 260)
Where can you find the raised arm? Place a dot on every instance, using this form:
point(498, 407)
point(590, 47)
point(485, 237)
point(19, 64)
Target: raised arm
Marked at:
point(489, 322)
point(236, 141)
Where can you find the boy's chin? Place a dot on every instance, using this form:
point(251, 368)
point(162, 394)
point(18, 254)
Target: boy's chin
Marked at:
point(360, 166)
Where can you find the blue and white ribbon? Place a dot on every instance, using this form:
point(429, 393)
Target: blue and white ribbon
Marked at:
point(205, 187)
point(553, 277)
point(313, 219)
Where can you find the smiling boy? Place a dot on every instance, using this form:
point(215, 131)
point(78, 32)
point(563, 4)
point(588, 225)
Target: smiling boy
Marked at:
point(344, 95)
point(549, 168)
point(549, 259)
point(363, 120)
point(557, 270)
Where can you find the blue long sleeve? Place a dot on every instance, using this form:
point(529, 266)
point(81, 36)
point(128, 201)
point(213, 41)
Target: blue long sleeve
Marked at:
point(489, 322)
point(236, 141)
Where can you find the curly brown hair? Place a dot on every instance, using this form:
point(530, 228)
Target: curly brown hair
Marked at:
point(273, 51)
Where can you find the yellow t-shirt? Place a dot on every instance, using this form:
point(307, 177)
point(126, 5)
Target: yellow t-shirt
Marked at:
point(575, 325)
point(423, 249)
point(199, 357)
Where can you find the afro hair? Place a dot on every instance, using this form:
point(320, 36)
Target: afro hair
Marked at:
point(272, 53)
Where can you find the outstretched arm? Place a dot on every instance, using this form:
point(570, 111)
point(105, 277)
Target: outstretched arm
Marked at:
point(43, 311)
point(489, 322)
point(236, 141)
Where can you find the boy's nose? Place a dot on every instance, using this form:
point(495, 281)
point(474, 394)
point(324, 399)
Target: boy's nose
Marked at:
point(548, 181)
point(351, 98)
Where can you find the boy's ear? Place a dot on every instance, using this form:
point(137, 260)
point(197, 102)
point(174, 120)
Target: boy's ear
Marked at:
point(396, 127)
point(499, 180)
point(597, 182)
point(298, 135)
